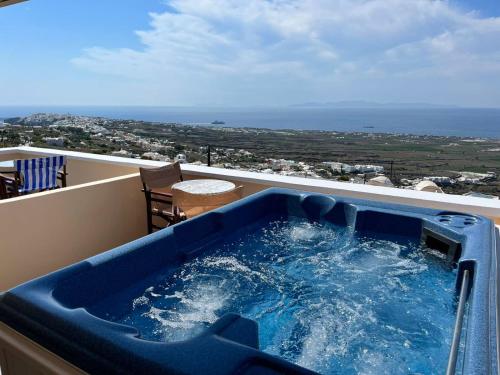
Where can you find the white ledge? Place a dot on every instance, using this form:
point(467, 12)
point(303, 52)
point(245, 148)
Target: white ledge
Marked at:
point(117, 160)
point(448, 202)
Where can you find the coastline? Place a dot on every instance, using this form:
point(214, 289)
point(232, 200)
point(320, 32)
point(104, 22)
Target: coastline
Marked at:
point(463, 122)
point(308, 153)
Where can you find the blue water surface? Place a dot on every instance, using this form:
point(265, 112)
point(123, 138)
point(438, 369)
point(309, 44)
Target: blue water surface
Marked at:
point(324, 297)
point(461, 122)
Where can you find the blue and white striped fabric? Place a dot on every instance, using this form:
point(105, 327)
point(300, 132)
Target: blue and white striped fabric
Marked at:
point(39, 174)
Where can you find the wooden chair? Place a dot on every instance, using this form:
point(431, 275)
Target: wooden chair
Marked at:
point(8, 187)
point(191, 205)
point(62, 175)
point(157, 184)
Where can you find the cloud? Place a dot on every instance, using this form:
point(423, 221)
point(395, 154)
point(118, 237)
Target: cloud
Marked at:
point(232, 52)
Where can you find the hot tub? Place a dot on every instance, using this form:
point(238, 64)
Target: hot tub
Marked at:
point(278, 282)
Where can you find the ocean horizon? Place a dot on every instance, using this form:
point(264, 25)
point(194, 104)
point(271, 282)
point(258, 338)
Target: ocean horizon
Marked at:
point(460, 122)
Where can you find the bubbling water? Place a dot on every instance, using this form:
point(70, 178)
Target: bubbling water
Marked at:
point(324, 297)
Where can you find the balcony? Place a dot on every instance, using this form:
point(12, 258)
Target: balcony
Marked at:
point(103, 207)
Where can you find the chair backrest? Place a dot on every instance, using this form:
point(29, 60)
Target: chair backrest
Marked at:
point(161, 178)
point(196, 204)
point(40, 173)
point(4, 193)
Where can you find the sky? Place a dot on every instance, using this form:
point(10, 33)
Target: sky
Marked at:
point(233, 53)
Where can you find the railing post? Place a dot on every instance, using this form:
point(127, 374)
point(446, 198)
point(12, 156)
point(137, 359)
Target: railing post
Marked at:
point(208, 156)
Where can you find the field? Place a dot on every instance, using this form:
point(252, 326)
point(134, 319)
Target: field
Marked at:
point(403, 156)
point(411, 156)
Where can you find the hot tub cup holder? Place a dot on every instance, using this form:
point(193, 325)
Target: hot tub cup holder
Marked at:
point(456, 220)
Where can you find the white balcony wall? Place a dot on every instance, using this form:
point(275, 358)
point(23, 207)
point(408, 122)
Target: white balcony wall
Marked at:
point(80, 170)
point(42, 232)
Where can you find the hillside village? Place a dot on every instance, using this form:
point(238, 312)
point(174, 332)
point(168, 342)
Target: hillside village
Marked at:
point(242, 148)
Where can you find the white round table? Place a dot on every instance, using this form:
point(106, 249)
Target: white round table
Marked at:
point(204, 186)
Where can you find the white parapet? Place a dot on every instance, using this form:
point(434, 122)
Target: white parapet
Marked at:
point(445, 202)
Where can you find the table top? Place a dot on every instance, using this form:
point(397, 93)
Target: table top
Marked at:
point(204, 186)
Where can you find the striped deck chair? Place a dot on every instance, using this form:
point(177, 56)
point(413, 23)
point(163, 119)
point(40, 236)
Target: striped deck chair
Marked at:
point(40, 173)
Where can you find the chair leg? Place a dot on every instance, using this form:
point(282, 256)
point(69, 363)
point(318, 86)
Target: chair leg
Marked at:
point(63, 182)
point(178, 215)
point(149, 212)
point(150, 224)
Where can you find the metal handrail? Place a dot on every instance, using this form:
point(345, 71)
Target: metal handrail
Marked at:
point(452, 359)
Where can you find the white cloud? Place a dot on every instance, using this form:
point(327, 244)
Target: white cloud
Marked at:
point(233, 52)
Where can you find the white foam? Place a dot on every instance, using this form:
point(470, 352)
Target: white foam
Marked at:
point(197, 306)
point(141, 301)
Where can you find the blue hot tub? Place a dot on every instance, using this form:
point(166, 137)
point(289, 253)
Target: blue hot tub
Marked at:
point(279, 282)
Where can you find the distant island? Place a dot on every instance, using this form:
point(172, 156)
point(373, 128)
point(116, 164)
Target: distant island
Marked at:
point(367, 104)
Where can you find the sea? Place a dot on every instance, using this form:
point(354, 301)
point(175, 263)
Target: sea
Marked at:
point(461, 122)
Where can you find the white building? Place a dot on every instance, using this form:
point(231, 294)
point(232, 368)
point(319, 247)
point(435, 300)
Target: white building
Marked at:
point(58, 142)
point(380, 181)
point(428, 186)
point(155, 156)
point(347, 168)
point(281, 164)
point(472, 178)
point(337, 167)
point(181, 158)
point(122, 153)
point(368, 168)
